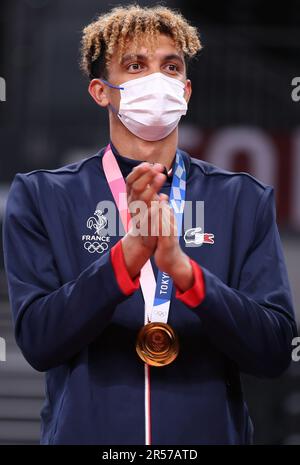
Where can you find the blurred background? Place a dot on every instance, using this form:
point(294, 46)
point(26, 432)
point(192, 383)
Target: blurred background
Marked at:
point(241, 117)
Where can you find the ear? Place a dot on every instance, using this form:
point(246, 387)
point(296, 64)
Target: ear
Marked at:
point(188, 90)
point(97, 90)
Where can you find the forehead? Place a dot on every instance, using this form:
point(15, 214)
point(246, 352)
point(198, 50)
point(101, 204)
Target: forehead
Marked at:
point(163, 46)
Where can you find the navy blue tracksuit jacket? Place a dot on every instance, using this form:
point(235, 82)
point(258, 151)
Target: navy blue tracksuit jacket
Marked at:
point(72, 320)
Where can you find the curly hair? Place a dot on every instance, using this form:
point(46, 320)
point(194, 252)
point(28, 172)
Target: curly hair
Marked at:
point(110, 31)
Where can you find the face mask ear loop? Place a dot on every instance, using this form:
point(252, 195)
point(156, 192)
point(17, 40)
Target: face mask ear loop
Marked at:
point(114, 87)
point(110, 85)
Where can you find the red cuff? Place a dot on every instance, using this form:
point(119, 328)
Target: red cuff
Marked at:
point(193, 296)
point(124, 280)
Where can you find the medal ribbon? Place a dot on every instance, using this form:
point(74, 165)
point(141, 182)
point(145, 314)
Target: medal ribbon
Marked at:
point(157, 295)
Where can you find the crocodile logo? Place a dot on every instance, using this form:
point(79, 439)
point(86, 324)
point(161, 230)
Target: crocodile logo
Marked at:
point(196, 237)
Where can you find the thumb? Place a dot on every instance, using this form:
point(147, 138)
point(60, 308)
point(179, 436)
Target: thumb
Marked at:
point(164, 197)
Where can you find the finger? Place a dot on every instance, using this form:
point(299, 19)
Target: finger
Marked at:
point(158, 167)
point(151, 192)
point(173, 223)
point(154, 219)
point(164, 219)
point(168, 221)
point(135, 174)
point(164, 197)
point(149, 179)
point(144, 177)
point(142, 168)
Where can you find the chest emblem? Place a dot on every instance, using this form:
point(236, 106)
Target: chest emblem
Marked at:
point(194, 236)
point(97, 241)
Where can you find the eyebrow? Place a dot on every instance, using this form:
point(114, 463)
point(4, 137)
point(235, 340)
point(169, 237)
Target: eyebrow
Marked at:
point(130, 56)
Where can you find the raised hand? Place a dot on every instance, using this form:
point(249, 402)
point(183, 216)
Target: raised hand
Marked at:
point(168, 255)
point(143, 185)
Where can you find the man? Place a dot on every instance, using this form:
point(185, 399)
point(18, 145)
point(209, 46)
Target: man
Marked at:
point(83, 301)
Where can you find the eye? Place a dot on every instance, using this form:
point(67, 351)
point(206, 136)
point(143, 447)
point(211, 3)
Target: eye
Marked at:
point(172, 67)
point(134, 67)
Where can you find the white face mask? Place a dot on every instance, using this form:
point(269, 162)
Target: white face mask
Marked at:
point(151, 106)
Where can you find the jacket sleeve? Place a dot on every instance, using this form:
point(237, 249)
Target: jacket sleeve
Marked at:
point(52, 320)
point(254, 323)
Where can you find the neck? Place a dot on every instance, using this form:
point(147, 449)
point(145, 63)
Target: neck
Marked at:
point(130, 146)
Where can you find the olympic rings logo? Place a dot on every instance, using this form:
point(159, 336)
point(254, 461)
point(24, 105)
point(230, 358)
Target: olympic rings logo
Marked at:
point(160, 313)
point(93, 247)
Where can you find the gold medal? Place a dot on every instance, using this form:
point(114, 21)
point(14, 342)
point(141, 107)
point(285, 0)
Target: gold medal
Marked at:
point(157, 344)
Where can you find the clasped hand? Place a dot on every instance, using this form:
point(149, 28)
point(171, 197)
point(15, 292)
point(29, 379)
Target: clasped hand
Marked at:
point(153, 229)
